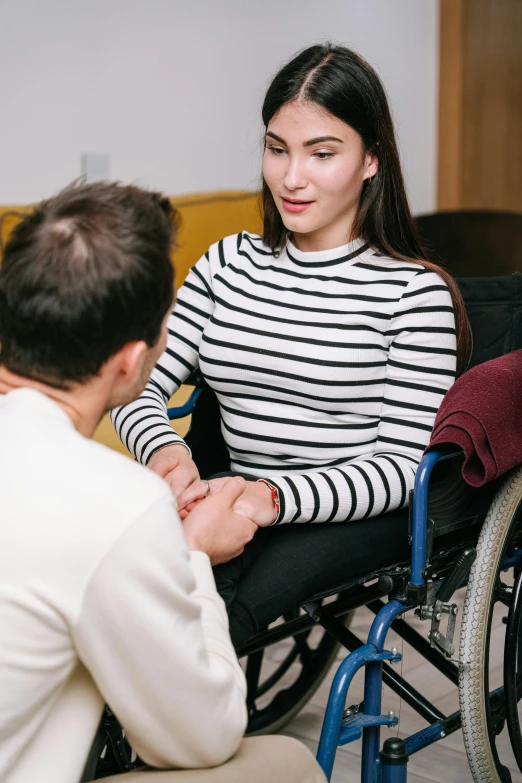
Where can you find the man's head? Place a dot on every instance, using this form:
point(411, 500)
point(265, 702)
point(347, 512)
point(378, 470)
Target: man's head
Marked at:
point(84, 277)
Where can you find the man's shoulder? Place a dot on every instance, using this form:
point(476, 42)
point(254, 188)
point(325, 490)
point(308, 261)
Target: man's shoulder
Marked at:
point(74, 478)
point(107, 495)
point(70, 500)
point(127, 481)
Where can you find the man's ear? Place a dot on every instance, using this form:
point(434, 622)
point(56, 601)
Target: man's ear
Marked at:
point(127, 363)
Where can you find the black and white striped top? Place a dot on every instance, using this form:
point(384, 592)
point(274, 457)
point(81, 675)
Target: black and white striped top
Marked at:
point(329, 368)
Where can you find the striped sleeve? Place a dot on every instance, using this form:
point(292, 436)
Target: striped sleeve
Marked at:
point(420, 369)
point(143, 426)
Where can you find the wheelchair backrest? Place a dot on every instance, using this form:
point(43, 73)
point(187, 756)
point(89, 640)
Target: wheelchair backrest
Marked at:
point(494, 307)
point(483, 250)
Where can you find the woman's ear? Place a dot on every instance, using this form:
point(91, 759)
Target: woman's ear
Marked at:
point(371, 163)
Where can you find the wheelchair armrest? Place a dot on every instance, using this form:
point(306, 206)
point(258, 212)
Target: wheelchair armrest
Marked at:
point(194, 379)
point(420, 507)
point(186, 409)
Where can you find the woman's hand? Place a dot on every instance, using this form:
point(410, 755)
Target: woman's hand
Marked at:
point(174, 464)
point(215, 528)
point(255, 502)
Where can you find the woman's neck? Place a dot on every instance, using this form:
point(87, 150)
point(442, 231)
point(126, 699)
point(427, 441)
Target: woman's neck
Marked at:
point(326, 238)
point(311, 243)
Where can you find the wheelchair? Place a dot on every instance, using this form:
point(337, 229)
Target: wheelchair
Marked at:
point(460, 537)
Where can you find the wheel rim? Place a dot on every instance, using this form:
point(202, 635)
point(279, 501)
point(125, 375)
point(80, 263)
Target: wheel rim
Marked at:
point(277, 690)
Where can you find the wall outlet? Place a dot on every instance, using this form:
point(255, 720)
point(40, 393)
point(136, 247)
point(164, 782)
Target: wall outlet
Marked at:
point(95, 166)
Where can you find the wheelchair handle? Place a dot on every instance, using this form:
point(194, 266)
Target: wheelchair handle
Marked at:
point(453, 580)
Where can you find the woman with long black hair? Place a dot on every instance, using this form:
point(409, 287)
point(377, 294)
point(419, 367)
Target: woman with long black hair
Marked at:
point(329, 341)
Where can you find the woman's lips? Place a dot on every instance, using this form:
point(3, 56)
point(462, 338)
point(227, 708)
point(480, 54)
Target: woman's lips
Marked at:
point(295, 206)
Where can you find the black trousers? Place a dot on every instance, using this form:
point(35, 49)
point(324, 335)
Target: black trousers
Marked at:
point(285, 565)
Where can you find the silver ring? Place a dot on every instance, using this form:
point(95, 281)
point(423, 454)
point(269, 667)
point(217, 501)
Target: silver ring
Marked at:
point(207, 484)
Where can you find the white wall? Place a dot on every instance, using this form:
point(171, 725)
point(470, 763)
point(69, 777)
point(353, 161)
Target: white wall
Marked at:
point(172, 89)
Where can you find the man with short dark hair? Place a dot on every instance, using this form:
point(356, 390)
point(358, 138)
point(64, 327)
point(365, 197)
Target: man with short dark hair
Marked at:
point(102, 596)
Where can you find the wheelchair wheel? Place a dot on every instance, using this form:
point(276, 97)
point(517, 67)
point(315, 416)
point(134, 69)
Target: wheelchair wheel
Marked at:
point(110, 753)
point(278, 691)
point(487, 720)
point(90, 771)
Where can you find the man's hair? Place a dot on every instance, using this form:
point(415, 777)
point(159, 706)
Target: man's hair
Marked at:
point(85, 273)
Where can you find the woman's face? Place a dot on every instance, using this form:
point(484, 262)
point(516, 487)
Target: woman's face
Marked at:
point(315, 166)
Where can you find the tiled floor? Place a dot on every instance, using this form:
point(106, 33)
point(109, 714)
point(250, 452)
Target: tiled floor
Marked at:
point(444, 762)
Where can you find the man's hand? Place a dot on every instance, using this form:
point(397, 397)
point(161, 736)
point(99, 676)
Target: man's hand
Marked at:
point(214, 528)
point(197, 492)
point(255, 502)
point(174, 464)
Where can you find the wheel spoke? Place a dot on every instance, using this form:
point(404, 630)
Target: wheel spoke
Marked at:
point(503, 594)
point(306, 654)
point(279, 672)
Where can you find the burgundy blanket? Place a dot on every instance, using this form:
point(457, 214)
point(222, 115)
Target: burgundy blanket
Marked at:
point(482, 413)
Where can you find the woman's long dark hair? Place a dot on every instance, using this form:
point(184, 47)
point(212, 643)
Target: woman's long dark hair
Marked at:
point(347, 86)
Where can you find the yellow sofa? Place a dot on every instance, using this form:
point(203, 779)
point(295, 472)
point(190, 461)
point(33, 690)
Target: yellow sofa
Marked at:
point(205, 218)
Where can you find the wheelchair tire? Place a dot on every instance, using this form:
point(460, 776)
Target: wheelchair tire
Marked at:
point(90, 771)
point(110, 753)
point(286, 703)
point(482, 593)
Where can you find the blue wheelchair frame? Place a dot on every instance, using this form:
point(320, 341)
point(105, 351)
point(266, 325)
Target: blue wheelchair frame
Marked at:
point(187, 408)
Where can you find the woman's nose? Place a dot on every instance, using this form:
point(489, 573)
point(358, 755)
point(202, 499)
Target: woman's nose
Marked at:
point(295, 176)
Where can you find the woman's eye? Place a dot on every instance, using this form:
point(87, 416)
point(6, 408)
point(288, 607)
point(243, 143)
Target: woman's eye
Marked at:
point(276, 150)
point(324, 155)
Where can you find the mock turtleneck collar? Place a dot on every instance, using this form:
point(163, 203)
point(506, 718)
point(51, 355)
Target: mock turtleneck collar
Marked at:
point(336, 255)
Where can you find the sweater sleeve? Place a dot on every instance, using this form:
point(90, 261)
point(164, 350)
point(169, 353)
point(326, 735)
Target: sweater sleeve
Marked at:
point(420, 369)
point(153, 633)
point(143, 426)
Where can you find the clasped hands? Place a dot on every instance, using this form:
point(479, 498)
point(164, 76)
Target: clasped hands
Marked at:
point(219, 522)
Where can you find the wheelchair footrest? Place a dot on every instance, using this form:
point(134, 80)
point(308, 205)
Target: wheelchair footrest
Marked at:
point(352, 727)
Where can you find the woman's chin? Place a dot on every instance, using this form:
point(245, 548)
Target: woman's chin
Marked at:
point(297, 224)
